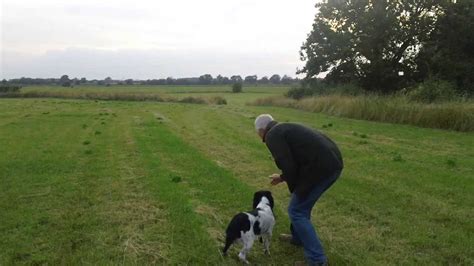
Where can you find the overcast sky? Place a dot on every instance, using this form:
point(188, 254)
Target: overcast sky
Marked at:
point(152, 39)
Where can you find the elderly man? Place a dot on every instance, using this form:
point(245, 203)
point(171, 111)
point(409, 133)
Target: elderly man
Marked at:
point(310, 163)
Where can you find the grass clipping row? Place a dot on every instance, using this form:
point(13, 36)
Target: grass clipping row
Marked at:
point(457, 116)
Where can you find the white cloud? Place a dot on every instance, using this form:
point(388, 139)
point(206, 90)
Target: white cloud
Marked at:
point(219, 35)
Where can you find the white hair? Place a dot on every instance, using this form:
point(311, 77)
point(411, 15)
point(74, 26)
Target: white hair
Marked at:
point(262, 121)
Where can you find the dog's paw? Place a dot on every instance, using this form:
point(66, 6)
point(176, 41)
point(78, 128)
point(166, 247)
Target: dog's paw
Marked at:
point(266, 251)
point(243, 259)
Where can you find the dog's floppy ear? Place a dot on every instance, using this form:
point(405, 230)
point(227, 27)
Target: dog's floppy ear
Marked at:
point(269, 196)
point(257, 197)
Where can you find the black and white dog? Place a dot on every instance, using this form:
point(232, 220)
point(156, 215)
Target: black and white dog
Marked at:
point(247, 226)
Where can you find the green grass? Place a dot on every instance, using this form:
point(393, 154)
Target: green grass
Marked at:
point(162, 180)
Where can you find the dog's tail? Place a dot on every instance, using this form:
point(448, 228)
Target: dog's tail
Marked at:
point(228, 243)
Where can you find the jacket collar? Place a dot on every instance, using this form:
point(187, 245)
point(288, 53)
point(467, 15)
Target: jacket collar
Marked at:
point(269, 126)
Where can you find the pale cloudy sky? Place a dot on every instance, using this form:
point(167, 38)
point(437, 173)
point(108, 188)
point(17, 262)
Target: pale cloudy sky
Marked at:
point(152, 39)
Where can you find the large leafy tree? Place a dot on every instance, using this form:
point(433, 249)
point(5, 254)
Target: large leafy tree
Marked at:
point(372, 42)
point(449, 53)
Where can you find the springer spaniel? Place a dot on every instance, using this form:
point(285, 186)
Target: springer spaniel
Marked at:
point(247, 226)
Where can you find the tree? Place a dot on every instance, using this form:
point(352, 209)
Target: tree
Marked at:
point(65, 81)
point(263, 80)
point(83, 80)
point(219, 79)
point(108, 81)
point(64, 78)
point(237, 87)
point(4, 81)
point(449, 53)
point(368, 42)
point(275, 79)
point(129, 81)
point(205, 79)
point(286, 80)
point(251, 79)
point(236, 79)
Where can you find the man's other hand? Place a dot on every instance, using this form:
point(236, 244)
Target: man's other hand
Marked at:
point(276, 179)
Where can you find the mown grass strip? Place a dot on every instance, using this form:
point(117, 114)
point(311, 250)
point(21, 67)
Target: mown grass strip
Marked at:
point(202, 196)
point(46, 210)
point(186, 233)
point(64, 202)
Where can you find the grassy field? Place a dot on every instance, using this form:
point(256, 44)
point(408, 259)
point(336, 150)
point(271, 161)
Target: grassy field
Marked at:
point(108, 182)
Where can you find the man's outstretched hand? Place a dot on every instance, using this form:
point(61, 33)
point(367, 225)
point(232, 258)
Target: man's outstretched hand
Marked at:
point(276, 179)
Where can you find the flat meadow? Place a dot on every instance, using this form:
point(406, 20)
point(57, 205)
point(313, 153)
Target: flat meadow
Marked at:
point(86, 181)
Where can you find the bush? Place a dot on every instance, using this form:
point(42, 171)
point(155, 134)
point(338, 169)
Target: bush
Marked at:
point(9, 88)
point(237, 87)
point(218, 100)
point(299, 92)
point(320, 89)
point(433, 91)
point(192, 100)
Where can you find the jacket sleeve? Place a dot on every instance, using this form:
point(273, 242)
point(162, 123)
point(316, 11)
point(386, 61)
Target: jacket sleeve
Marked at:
point(283, 157)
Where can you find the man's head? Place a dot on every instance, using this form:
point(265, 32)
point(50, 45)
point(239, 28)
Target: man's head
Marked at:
point(261, 123)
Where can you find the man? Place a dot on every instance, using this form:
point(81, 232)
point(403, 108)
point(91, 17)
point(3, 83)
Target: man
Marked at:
point(310, 163)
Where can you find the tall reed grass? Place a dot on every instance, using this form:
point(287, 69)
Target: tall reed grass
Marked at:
point(457, 116)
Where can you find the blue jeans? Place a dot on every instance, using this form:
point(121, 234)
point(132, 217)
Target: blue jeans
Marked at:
point(302, 229)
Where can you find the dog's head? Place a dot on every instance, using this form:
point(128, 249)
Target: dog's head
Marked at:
point(257, 197)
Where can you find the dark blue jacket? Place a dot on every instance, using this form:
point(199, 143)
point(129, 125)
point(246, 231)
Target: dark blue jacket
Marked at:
point(305, 156)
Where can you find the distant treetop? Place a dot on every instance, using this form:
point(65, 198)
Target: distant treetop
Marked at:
point(206, 79)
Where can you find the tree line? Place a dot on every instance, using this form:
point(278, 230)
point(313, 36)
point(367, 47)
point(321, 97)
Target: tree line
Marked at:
point(205, 79)
point(388, 45)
